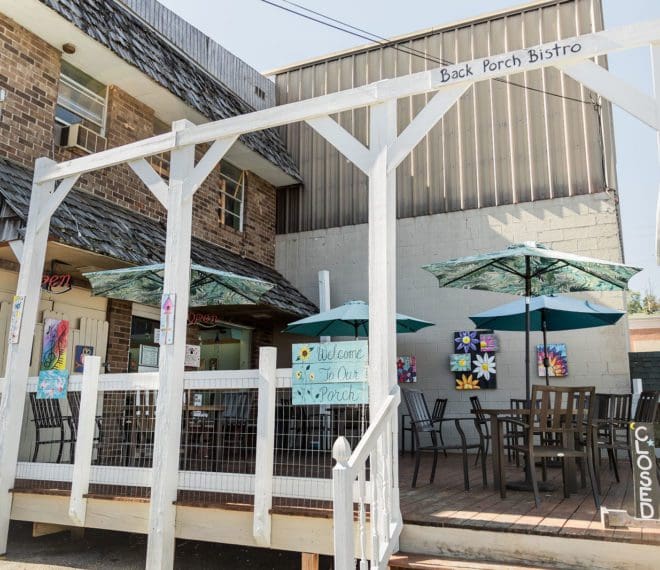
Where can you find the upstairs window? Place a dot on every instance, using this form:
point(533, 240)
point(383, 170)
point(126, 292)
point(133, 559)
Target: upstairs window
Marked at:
point(232, 196)
point(81, 99)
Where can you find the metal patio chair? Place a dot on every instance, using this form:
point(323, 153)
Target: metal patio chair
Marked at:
point(47, 416)
point(73, 399)
point(422, 423)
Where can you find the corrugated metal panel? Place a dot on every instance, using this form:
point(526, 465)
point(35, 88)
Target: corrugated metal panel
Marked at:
point(231, 70)
point(533, 136)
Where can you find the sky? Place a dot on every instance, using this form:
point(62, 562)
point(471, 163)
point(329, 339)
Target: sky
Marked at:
point(267, 37)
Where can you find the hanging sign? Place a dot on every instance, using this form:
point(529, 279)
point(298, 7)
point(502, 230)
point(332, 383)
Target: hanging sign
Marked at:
point(16, 318)
point(56, 283)
point(53, 374)
point(167, 306)
point(202, 319)
point(647, 494)
point(330, 373)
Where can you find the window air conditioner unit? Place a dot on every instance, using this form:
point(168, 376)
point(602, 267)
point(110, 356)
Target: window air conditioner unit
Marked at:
point(79, 136)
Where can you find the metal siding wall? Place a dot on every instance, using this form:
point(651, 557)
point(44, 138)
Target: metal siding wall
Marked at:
point(500, 144)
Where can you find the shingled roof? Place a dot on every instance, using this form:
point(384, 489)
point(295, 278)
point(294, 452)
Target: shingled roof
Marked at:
point(92, 224)
point(117, 28)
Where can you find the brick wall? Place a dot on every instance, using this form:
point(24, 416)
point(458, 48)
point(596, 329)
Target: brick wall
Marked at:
point(119, 335)
point(29, 72)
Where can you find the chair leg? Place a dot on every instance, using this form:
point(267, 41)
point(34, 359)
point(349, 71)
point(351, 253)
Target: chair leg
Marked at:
point(484, 475)
point(531, 473)
point(435, 463)
point(592, 477)
point(614, 465)
point(59, 453)
point(418, 456)
point(500, 456)
point(479, 451)
point(37, 443)
point(442, 441)
point(564, 477)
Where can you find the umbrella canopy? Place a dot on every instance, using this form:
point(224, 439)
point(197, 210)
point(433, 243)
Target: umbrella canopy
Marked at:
point(350, 319)
point(531, 269)
point(547, 313)
point(208, 286)
point(559, 314)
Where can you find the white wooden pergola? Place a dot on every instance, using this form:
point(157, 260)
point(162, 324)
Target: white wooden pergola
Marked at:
point(386, 150)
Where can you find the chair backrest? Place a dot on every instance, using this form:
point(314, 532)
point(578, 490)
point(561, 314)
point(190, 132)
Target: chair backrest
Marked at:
point(73, 398)
point(521, 403)
point(439, 409)
point(615, 407)
point(236, 405)
point(477, 410)
point(647, 406)
point(420, 418)
point(563, 409)
point(46, 412)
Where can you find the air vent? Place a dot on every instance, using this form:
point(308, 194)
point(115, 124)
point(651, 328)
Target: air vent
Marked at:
point(79, 136)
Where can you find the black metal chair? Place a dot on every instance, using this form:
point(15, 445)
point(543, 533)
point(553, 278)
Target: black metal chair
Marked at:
point(481, 423)
point(560, 428)
point(422, 423)
point(47, 415)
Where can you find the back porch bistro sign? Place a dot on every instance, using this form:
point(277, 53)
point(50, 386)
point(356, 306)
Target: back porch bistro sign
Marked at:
point(330, 373)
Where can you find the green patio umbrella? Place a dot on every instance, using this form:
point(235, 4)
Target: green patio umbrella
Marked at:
point(349, 319)
point(528, 269)
point(547, 313)
point(208, 286)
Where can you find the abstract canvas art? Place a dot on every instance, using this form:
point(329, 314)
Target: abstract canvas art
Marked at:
point(473, 362)
point(557, 360)
point(406, 369)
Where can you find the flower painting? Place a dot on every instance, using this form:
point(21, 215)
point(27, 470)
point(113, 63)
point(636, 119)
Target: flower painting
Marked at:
point(473, 362)
point(406, 369)
point(557, 360)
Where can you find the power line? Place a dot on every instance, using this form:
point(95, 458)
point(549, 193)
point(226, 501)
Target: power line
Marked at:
point(374, 38)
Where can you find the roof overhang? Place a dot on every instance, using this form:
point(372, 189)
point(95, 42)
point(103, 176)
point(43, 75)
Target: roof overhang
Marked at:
point(103, 64)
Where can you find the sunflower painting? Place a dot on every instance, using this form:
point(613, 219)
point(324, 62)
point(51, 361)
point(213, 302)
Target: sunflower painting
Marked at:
point(467, 382)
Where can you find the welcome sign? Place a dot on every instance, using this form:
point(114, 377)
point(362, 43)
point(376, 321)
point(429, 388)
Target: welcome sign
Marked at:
point(330, 373)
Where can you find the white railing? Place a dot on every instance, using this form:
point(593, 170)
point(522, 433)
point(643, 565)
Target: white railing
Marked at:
point(380, 538)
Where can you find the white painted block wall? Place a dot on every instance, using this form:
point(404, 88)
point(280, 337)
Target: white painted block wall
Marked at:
point(586, 225)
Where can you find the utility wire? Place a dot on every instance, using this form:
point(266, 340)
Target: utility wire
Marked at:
point(374, 38)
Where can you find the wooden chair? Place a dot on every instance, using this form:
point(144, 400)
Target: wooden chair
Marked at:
point(422, 423)
point(437, 414)
point(559, 428)
point(73, 398)
point(481, 422)
point(47, 415)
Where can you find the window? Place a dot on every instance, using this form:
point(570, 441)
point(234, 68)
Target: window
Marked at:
point(81, 99)
point(232, 194)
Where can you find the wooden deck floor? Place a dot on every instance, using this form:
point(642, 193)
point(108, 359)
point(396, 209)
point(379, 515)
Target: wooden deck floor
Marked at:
point(446, 504)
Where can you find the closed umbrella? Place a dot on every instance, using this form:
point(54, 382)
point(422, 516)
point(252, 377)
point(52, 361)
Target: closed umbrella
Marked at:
point(349, 319)
point(547, 313)
point(208, 286)
point(531, 269)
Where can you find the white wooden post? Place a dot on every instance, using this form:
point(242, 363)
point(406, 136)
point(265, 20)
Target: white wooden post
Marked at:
point(162, 513)
point(342, 493)
point(85, 440)
point(18, 355)
point(382, 280)
point(263, 476)
point(324, 296)
point(655, 68)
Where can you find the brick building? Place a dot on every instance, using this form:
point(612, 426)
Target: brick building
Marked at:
point(79, 76)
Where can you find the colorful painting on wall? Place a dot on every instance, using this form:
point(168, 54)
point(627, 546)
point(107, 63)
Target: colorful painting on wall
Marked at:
point(557, 360)
point(406, 369)
point(56, 338)
point(52, 384)
point(474, 360)
point(79, 357)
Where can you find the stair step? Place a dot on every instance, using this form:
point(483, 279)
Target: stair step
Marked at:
point(409, 561)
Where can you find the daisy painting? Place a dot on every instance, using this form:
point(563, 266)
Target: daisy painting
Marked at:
point(484, 366)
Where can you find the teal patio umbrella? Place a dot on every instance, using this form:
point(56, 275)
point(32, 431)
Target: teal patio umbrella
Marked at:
point(528, 269)
point(349, 319)
point(208, 286)
point(547, 313)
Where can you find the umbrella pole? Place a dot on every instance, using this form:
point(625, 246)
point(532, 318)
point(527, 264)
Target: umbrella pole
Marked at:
point(528, 295)
point(546, 361)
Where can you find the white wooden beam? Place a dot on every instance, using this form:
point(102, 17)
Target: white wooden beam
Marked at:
point(16, 247)
point(324, 296)
point(623, 95)
point(56, 198)
point(151, 178)
point(425, 120)
point(343, 141)
point(208, 162)
point(85, 440)
point(263, 488)
point(655, 69)
point(12, 403)
point(162, 511)
point(586, 46)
